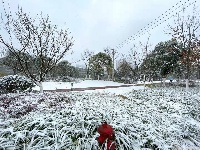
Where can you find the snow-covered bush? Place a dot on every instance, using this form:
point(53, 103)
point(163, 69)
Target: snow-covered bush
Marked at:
point(152, 118)
point(15, 83)
point(18, 105)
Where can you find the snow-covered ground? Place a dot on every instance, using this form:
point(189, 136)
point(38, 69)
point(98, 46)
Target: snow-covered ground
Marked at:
point(96, 83)
point(91, 83)
point(78, 84)
point(120, 90)
point(165, 118)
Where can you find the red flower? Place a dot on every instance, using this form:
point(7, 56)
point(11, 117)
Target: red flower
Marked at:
point(106, 135)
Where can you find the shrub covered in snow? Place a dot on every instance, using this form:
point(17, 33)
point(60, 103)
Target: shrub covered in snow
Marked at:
point(14, 83)
point(152, 118)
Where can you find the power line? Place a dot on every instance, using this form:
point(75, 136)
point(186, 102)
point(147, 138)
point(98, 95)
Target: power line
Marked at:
point(150, 25)
point(174, 10)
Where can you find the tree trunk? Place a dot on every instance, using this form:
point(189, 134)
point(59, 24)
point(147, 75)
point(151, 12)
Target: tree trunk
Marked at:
point(108, 77)
point(40, 85)
point(163, 81)
point(14, 71)
point(87, 72)
point(144, 80)
point(187, 84)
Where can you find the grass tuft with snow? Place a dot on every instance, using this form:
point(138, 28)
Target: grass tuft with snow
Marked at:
point(164, 118)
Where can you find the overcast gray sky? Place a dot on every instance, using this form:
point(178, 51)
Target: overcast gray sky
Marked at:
point(97, 24)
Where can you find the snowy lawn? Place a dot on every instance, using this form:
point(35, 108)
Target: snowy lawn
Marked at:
point(78, 84)
point(165, 118)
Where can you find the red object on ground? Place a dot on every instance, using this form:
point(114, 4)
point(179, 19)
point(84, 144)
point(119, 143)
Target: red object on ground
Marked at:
point(106, 134)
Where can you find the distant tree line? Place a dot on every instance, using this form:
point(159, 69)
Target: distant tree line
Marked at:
point(63, 68)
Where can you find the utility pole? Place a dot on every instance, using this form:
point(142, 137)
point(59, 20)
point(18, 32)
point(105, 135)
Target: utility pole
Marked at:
point(113, 59)
point(112, 53)
point(145, 53)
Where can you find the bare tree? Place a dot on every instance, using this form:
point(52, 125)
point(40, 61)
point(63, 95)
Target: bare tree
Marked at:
point(145, 51)
point(134, 58)
point(86, 59)
point(196, 59)
point(44, 42)
point(185, 31)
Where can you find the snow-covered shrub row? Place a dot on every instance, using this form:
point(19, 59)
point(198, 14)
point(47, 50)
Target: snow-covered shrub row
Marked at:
point(15, 83)
point(17, 105)
point(152, 118)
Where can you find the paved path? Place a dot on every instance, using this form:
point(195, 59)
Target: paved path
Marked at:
point(88, 88)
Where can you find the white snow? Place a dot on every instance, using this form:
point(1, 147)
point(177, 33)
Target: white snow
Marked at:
point(119, 90)
point(90, 83)
point(79, 84)
point(167, 117)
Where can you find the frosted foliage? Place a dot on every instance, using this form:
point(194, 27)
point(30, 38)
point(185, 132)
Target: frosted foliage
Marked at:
point(151, 118)
point(15, 83)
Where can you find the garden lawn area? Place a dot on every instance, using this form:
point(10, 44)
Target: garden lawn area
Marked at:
point(143, 118)
point(77, 84)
